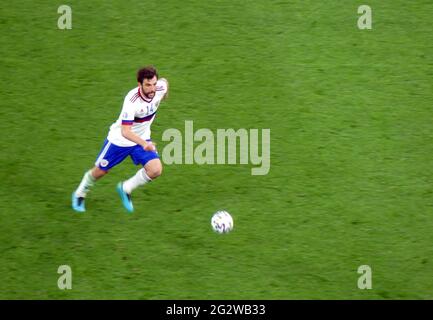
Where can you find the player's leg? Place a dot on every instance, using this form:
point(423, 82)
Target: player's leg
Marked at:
point(152, 168)
point(109, 156)
point(150, 171)
point(89, 179)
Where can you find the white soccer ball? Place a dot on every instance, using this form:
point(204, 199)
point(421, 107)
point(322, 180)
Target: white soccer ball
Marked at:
point(222, 222)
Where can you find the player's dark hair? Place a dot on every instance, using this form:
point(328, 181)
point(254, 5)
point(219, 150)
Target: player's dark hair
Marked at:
point(146, 73)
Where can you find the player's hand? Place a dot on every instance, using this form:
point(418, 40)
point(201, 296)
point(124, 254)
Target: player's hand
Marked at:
point(149, 146)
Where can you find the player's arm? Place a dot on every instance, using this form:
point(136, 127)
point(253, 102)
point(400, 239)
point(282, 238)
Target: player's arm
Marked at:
point(166, 83)
point(131, 136)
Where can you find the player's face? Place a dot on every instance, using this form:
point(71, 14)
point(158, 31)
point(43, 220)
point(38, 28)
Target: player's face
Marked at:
point(148, 87)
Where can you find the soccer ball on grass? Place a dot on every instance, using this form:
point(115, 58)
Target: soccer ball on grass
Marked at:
point(222, 222)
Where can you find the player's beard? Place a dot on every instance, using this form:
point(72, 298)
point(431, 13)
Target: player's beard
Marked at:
point(148, 95)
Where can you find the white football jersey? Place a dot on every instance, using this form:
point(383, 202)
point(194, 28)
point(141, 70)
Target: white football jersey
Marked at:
point(137, 112)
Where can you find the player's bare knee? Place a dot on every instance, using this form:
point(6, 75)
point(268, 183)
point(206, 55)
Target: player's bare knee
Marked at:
point(98, 173)
point(154, 171)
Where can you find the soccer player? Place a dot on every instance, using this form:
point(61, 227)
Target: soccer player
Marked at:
point(129, 136)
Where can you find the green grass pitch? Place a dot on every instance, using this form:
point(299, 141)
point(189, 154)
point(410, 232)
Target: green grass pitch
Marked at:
point(351, 178)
